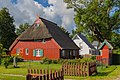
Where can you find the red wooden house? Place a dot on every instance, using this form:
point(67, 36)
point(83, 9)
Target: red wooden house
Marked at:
point(105, 52)
point(44, 39)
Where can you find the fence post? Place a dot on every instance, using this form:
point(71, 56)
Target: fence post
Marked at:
point(62, 75)
point(28, 77)
point(53, 75)
point(37, 78)
point(28, 71)
point(47, 74)
point(88, 69)
point(44, 75)
point(50, 74)
point(40, 73)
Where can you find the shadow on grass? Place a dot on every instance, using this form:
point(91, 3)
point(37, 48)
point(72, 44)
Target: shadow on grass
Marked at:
point(104, 72)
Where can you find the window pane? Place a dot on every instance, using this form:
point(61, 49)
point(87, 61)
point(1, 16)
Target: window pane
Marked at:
point(17, 51)
point(26, 51)
point(39, 52)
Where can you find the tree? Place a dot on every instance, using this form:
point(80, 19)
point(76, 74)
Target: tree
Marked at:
point(7, 28)
point(64, 30)
point(73, 33)
point(96, 18)
point(115, 40)
point(1, 49)
point(22, 28)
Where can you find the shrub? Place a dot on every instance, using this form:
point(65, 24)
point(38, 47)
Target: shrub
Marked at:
point(46, 61)
point(54, 61)
point(74, 61)
point(0, 60)
point(60, 61)
point(7, 61)
point(117, 51)
point(93, 57)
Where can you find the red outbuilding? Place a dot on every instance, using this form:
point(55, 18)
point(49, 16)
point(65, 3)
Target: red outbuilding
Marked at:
point(44, 39)
point(106, 52)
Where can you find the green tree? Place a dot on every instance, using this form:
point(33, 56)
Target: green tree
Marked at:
point(7, 28)
point(115, 40)
point(96, 18)
point(1, 49)
point(64, 30)
point(73, 33)
point(22, 28)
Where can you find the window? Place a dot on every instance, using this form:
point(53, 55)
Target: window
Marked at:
point(37, 25)
point(38, 52)
point(80, 46)
point(90, 51)
point(70, 52)
point(74, 52)
point(17, 51)
point(43, 41)
point(63, 53)
point(26, 51)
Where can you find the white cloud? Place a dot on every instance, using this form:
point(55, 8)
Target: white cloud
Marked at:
point(26, 11)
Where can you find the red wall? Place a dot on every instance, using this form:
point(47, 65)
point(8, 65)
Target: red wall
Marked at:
point(105, 54)
point(50, 48)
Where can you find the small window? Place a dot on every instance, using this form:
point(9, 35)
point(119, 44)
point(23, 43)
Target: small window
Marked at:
point(74, 52)
point(38, 52)
point(27, 51)
point(70, 52)
point(80, 46)
point(63, 53)
point(17, 51)
point(43, 41)
point(37, 25)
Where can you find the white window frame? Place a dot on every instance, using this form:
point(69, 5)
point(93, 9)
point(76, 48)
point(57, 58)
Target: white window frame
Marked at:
point(43, 41)
point(81, 46)
point(38, 52)
point(27, 51)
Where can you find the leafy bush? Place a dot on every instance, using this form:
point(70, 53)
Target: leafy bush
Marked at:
point(0, 60)
point(92, 59)
point(61, 61)
point(55, 61)
point(46, 61)
point(7, 61)
point(117, 51)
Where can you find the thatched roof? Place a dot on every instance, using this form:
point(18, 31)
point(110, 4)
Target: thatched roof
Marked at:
point(47, 29)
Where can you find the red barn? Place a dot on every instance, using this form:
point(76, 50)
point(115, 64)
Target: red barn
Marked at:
point(44, 39)
point(106, 52)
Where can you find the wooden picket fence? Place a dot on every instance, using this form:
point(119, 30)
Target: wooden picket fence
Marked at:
point(79, 69)
point(39, 74)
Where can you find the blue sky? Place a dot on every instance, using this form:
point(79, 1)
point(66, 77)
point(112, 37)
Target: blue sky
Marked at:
point(54, 10)
point(43, 2)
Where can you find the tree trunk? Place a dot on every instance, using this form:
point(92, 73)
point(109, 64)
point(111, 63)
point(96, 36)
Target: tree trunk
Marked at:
point(14, 62)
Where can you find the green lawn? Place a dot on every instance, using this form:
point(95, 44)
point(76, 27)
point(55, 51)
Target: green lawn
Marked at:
point(19, 73)
point(11, 73)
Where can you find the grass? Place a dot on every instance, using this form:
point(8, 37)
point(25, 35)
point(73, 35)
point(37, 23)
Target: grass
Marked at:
point(109, 73)
point(19, 73)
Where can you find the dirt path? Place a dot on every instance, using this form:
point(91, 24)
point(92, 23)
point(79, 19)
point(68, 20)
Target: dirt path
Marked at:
point(13, 75)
